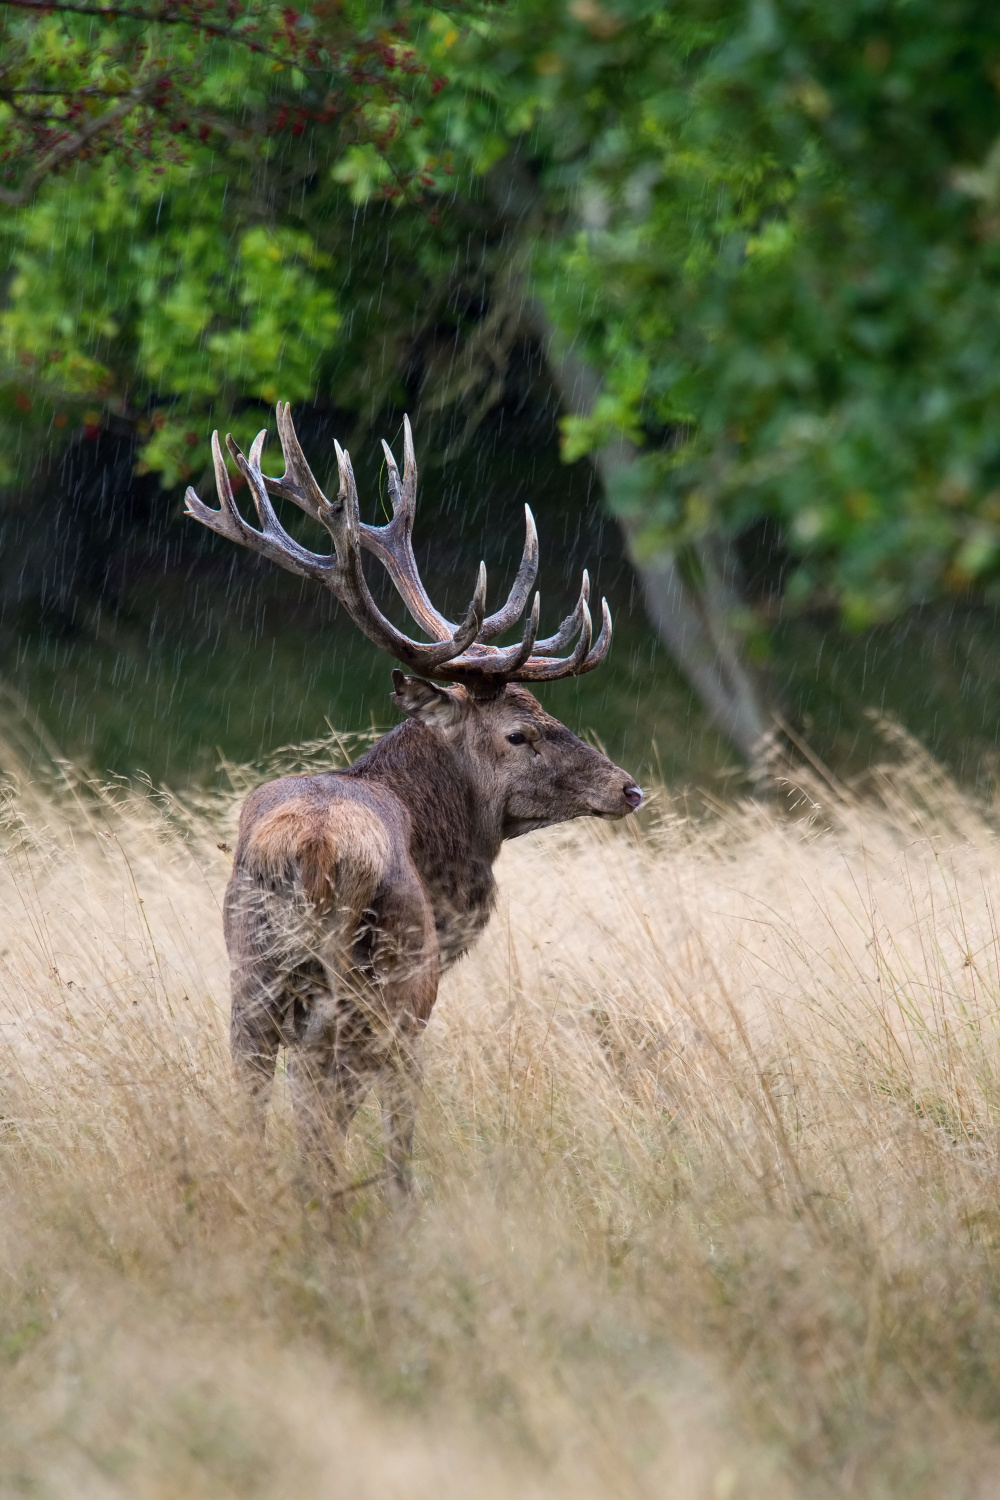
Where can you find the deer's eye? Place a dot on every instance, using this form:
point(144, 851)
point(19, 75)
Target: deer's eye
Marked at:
point(517, 739)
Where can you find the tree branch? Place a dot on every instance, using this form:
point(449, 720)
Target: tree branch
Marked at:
point(72, 145)
point(165, 16)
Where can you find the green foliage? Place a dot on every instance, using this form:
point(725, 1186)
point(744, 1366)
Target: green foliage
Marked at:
point(128, 80)
point(778, 239)
point(177, 281)
point(171, 320)
point(773, 228)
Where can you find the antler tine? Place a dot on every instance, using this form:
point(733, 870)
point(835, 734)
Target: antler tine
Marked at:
point(503, 663)
point(351, 588)
point(570, 627)
point(480, 594)
point(521, 588)
point(298, 483)
point(541, 670)
point(602, 645)
point(409, 468)
point(250, 469)
point(392, 544)
point(226, 521)
point(395, 483)
point(347, 493)
point(273, 543)
point(402, 492)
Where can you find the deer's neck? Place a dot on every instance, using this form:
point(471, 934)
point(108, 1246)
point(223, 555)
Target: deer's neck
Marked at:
point(456, 832)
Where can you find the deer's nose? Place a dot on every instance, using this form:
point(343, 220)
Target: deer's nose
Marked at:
point(632, 794)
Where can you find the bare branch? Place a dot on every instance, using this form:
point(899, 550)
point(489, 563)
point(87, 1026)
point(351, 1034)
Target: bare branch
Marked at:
point(73, 144)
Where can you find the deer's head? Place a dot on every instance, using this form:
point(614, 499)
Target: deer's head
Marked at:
point(532, 767)
point(523, 762)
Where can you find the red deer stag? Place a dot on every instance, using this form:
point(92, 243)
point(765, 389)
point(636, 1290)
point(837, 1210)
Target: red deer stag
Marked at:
point(352, 890)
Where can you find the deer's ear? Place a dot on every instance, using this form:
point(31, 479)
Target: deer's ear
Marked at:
point(436, 707)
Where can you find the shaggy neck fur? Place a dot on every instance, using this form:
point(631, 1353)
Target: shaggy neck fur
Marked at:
point(456, 833)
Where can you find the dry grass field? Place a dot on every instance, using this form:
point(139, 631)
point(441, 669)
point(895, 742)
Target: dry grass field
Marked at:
point(708, 1156)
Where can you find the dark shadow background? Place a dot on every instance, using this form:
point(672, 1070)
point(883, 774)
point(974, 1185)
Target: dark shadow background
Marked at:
point(142, 643)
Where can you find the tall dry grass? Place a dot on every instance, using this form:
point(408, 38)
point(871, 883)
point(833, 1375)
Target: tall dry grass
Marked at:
point(708, 1157)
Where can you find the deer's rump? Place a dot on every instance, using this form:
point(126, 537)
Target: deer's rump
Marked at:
point(301, 905)
point(328, 853)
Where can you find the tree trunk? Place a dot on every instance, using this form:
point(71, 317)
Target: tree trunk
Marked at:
point(697, 626)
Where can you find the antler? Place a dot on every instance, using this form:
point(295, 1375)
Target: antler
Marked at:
point(457, 652)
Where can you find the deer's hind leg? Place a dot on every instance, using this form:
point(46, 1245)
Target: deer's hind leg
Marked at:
point(380, 988)
point(255, 1036)
point(406, 967)
point(400, 1088)
point(257, 985)
point(337, 1049)
point(328, 1085)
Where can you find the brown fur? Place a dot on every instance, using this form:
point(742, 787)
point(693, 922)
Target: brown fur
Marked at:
point(325, 844)
point(351, 890)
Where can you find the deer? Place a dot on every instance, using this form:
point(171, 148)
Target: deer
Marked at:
point(353, 890)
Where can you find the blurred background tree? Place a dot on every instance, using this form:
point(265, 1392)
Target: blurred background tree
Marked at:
point(745, 255)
